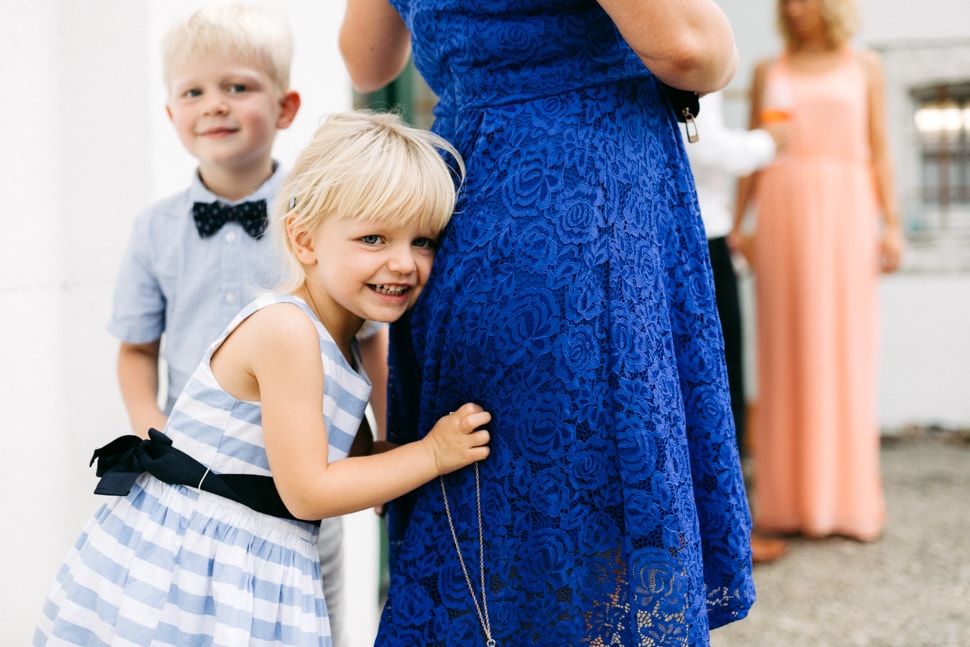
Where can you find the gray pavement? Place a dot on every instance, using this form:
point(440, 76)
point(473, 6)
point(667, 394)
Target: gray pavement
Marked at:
point(911, 588)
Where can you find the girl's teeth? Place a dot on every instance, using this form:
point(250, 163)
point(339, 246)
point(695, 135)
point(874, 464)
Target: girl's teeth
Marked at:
point(386, 289)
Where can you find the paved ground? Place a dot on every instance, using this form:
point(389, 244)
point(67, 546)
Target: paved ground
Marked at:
point(909, 589)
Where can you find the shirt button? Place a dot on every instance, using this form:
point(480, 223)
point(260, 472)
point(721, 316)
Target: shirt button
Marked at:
point(230, 236)
point(230, 298)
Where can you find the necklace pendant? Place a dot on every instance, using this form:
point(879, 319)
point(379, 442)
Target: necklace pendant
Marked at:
point(490, 642)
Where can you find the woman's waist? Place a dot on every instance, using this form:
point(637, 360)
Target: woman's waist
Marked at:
point(503, 85)
point(551, 109)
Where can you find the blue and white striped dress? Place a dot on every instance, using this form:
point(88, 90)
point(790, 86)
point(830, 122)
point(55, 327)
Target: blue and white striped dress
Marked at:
point(173, 565)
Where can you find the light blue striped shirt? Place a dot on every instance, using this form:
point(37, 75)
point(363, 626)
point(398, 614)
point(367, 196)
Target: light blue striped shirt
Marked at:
point(178, 287)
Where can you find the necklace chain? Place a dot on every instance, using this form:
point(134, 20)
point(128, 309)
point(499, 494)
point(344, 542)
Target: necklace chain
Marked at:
point(482, 610)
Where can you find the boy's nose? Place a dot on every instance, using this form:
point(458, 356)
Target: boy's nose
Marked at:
point(215, 106)
point(401, 259)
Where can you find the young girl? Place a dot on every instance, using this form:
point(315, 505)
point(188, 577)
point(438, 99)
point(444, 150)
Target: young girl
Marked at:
point(185, 557)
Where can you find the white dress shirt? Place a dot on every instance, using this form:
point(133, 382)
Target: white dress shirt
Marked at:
point(718, 158)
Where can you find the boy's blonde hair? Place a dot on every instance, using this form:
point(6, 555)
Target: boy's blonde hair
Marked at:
point(249, 33)
point(367, 166)
point(841, 18)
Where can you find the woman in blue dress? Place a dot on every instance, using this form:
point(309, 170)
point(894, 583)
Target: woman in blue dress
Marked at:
point(571, 297)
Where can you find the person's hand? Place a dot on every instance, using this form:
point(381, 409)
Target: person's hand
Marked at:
point(780, 131)
point(151, 418)
point(743, 244)
point(456, 440)
point(891, 248)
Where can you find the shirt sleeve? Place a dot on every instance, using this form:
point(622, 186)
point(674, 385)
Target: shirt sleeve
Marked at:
point(138, 309)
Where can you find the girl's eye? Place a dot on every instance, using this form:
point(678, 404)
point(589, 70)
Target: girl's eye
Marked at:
point(191, 94)
point(370, 239)
point(237, 88)
point(424, 243)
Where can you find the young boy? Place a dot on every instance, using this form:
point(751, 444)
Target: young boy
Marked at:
point(185, 274)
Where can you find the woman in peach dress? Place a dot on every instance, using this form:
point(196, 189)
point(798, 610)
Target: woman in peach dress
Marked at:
point(817, 251)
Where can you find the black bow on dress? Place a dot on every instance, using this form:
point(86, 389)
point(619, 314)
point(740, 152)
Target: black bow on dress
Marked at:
point(124, 459)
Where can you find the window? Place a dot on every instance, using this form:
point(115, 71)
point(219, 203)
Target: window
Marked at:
point(943, 125)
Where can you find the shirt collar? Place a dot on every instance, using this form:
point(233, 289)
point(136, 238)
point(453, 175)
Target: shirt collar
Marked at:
point(266, 191)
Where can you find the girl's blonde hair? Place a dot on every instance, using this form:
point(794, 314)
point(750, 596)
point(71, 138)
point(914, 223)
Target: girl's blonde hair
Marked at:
point(367, 166)
point(249, 33)
point(841, 18)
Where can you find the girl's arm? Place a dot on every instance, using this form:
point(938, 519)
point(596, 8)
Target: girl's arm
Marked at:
point(274, 357)
point(374, 42)
point(688, 44)
point(891, 244)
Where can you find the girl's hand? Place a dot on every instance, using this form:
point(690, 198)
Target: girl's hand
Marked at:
point(743, 244)
point(780, 132)
point(456, 440)
point(890, 249)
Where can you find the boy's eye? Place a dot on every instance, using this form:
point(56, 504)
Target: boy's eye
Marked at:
point(424, 243)
point(370, 239)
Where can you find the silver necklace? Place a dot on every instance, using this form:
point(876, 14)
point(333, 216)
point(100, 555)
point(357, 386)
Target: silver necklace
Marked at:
point(482, 610)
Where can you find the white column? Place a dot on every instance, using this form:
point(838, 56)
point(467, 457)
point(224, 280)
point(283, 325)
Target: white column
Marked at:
point(86, 145)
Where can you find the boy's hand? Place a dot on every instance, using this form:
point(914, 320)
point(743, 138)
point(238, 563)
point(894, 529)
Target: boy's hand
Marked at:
point(456, 440)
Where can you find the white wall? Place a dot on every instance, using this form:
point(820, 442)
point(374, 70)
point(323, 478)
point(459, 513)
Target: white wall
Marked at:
point(85, 145)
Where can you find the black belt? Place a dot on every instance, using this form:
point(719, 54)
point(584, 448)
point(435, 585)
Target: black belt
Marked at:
point(125, 458)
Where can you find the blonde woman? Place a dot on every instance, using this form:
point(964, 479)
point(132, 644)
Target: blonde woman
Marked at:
point(818, 248)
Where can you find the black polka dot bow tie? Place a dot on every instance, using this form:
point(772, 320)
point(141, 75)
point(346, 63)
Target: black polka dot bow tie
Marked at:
point(211, 216)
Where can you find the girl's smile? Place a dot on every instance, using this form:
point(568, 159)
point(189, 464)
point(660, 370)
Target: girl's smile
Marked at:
point(358, 270)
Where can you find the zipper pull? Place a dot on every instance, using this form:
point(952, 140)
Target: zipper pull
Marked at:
point(691, 126)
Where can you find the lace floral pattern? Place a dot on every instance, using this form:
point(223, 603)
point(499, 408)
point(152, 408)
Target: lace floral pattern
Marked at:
point(572, 298)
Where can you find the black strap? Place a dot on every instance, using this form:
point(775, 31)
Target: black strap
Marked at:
point(125, 458)
point(687, 106)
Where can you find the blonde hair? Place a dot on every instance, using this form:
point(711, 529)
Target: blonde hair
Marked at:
point(841, 18)
point(252, 34)
point(371, 167)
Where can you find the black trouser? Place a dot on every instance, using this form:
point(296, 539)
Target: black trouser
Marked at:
point(729, 312)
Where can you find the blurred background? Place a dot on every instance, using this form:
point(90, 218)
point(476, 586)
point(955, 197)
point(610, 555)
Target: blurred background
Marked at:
point(85, 145)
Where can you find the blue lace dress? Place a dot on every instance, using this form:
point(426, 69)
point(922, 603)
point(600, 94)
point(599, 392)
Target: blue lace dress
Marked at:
point(572, 298)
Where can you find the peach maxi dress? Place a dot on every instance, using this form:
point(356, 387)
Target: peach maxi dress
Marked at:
point(816, 448)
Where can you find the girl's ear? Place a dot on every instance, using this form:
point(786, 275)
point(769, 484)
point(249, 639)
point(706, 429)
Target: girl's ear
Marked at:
point(301, 241)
